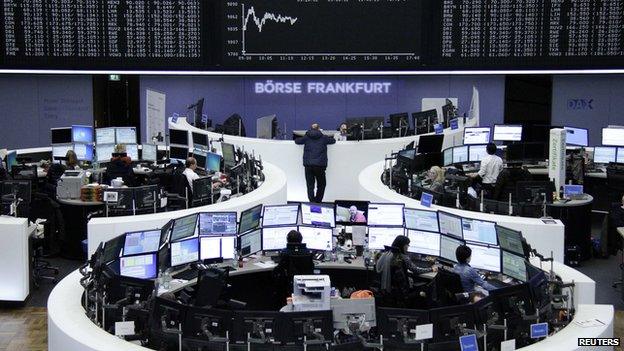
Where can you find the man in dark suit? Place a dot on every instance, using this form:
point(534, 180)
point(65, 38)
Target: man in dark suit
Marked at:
point(315, 161)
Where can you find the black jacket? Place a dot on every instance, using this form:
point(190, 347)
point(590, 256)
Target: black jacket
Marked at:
point(120, 167)
point(315, 148)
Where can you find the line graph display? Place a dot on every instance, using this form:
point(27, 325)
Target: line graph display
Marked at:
point(322, 33)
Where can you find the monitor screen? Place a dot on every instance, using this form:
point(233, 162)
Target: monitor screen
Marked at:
point(11, 160)
point(228, 247)
point(112, 249)
point(274, 238)
point(507, 132)
point(514, 266)
point(142, 267)
point(183, 252)
point(200, 157)
point(450, 224)
point(105, 136)
point(82, 134)
point(479, 231)
point(104, 152)
point(183, 227)
point(178, 137)
point(385, 214)
point(379, 237)
point(569, 190)
point(149, 152)
point(510, 240)
point(178, 153)
point(61, 150)
point(217, 224)
point(250, 243)
point(448, 246)
point(613, 136)
point(317, 238)
point(132, 150)
point(424, 243)
point(141, 242)
point(604, 154)
point(620, 155)
point(200, 139)
point(351, 212)
point(460, 154)
point(250, 219)
point(421, 220)
point(84, 152)
point(61, 135)
point(126, 135)
point(209, 248)
point(448, 156)
point(477, 153)
point(213, 162)
point(229, 155)
point(280, 215)
point(318, 214)
point(487, 258)
point(430, 144)
point(476, 135)
point(576, 136)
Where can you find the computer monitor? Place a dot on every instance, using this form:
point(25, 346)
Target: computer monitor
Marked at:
point(60, 150)
point(486, 258)
point(318, 214)
point(380, 237)
point(112, 249)
point(185, 251)
point(576, 136)
point(385, 214)
point(535, 151)
point(250, 219)
point(201, 319)
point(294, 327)
point(479, 231)
point(351, 212)
point(141, 242)
point(446, 320)
point(132, 150)
point(11, 160)
point(514, 266)
point(510, 240)
point(178, 153)
point(215, 247)
point(421, 220)
point(250, 243)
point(503, 132)
point(430, 143)
point(423, 121)
point(104, 152)
point(448, 246)
point(450, 224)
point(183, 227)
point(217, 224)
point(255, 324)
point(604, 154)
point(477, 153)
point(424, 243)
point(213, 162)
point(145, 197)
point(613, 136)
point(200, 158)
point(229, 155)
point(61, 135)
point(317, 238)
point(448, 157)
point(200, 139)
point(393, 323)
point(149, 152)
point(536, 192)
point(141, 266)
point(476, 135)
point(84, 152)
point(178, 137)
point(274, 238)
point(620, 155)
point(82, 134)
point(572, 190)
point(105, 136)
point(280, 215)
point(125, 135)
point(460, 154)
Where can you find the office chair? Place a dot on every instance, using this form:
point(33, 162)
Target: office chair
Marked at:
point(290, 264)
point(180, 195)
point(41, 269)
point(445, 287)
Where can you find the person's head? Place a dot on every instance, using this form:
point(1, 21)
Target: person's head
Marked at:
point(463, 254)
point(401, 243)
point(294, 237)
point(120, 149)
point(191, 163)
point(491, 148)
point(72, 159)
point(343, 128)
point(436, 174)
point(315, 126)
point(353, 210)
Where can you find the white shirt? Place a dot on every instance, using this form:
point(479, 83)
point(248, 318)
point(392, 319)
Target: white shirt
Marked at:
point(491, 166)
point(190, 176)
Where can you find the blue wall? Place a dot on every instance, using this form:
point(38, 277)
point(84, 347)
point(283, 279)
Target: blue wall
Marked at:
point(227, 95)
point(31, 105)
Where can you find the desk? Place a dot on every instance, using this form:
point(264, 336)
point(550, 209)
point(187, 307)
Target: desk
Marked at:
point(576, 216)
point(15, 258)
point(75, 215)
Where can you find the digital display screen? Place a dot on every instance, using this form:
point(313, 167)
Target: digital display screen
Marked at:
point(448, 246)
point(385, 214)
point(486, 258)
point(250, 219)
point(450, 224)
point(448, 157)
point(460, 154)
point(250, 243)
point(576, 136)
point(178, 137)
point(213, 162)
point(82, 134)
point(274, 238)
point(61, 150)
point(132, 150)
point(61, 135)
point(104, 152)
point(479, 231)
point(217, 247)
point(317, 238)
point(183, 227)
point(476, 135)
point(421, 220)
point(141, 242)
point(613, 136)
point(149, 152)
point(510, 240)
point(477, 153)
point(84, 152)
point(514, 266)
point(604, 154)
point(126, 135)
point(280, 215)
point(105, 136)
point(424, 243)
point(217, 223)
point(183, 252)
point(507, 133)
point(351, 212)
point(318, 215)
point(379, 237)
point(142, 267)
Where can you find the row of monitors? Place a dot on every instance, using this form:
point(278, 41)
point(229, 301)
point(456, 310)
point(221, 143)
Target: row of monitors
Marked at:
point(459, 154)
point(103, 152)
point(181, 137)
point(574, 136)
point(84, 134)
point(608, 154)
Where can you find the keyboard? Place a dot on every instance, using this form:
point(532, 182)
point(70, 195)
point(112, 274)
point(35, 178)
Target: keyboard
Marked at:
point(497, 283)
point(187, 274)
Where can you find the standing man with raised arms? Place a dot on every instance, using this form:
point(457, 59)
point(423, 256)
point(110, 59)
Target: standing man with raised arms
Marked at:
point(315, 161)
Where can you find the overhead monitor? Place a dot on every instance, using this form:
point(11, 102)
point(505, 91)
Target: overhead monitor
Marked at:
point(183, 252)
point(280, 215)
point(430, 144)
point(514, 266)
point(11, 160)
point(82, 134)
point(183, 227)
point(604, 154)
point(351, 212)
point(479, 231)
point(141, 242)
point(317, 238)
point(460, 154)
point(132, 150)
point(60, 150)
point(125, 135)
point(503, 132)
point(104, 152)
point(620, 155)
point(448, 156)
point(421, 220)
point(105, 136)
point(250, 219)
point(448, 246)
point(510, 240)
point(318, 214)
point(84, 152)
point(149, 152)
point(487, 258)
point(200, 139)
point(213, 162)
point(576, 136)
point(450, 224)
point(142, 266)
point(178, 153)
point(61, 135)
point(178, 137)
point(380, 237)
point(385, 214)
point(229, 155)
point(274, 238)
point(250, 243)
point(613, 136)
point(476, 135)
point(424, 243)
point(477, 153)
point(217, 224)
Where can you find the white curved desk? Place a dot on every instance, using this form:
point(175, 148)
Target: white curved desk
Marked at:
point(272, 191)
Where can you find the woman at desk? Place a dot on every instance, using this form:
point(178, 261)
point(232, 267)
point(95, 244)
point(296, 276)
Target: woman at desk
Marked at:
point(72, 160)
point(120, 166)
point(436, 176)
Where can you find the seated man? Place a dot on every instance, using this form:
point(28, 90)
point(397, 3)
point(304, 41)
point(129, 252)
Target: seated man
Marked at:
point(296, 259)
point(189, 171)
point(469, 276)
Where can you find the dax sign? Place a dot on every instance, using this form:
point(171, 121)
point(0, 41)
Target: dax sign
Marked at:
point(580, 104)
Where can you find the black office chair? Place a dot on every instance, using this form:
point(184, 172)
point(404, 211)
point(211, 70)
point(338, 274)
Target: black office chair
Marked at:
point(445, 288)
point(180, 193)
point(295, 262)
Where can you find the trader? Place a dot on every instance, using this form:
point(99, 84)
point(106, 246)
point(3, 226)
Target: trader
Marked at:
point(436, 176)
point(315, 161)
point(469, 276)
point(491, 166)
point(343, 133)
point(296, 259)
point(120, 166)
point(189, 171)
